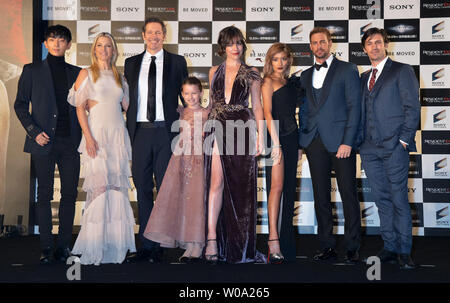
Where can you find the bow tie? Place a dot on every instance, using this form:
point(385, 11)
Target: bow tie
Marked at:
point(318, 66)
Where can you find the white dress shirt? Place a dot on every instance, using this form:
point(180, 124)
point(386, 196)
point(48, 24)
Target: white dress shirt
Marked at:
point(143, 87)
point(319, 75)
point(379, 68)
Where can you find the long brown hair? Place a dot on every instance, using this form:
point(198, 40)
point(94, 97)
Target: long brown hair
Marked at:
point(94, 61)
point(273, 50)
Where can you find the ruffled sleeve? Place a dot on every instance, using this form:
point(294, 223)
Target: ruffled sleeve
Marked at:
point(253, 75)
point(126, 94)
point(78, 98)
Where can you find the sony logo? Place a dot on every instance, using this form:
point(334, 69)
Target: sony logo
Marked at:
point(195, 55)
point(262, 9)
point(401, 6)
point(127, 9)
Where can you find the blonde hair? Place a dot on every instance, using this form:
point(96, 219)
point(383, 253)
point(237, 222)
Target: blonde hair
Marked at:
point(273, 50)
point(94, 61)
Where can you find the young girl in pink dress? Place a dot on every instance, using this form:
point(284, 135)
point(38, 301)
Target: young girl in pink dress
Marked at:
point(178, 217)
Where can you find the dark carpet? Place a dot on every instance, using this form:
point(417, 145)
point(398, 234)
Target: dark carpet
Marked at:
point(19, 262)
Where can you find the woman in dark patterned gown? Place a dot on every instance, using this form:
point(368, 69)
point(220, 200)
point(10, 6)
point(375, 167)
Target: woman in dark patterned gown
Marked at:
point(231, 167)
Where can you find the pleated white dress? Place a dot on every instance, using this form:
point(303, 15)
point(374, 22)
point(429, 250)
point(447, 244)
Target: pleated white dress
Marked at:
point(107, 224)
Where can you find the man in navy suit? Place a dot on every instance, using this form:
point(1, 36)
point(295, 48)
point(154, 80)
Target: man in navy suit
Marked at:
point(329, 121)
point(390, 115)
point(53, 136)
point(154, 77)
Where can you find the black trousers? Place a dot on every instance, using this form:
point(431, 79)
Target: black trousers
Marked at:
point(151, 154)
point(321, 161)
point(65, 155)
point(289, 147)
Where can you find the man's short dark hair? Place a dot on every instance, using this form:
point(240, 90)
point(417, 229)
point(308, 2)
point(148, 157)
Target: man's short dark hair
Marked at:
point(373, 31)
point(155, 20)
point(58, 31)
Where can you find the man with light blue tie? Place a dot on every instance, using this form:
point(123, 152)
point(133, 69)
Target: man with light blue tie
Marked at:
point(390, 115)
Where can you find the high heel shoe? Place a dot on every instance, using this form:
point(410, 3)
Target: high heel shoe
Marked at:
point(276, 258)
point(212, 259)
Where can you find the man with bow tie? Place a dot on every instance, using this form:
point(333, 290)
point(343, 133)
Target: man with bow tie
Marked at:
point(390, 115)
point(329, 121)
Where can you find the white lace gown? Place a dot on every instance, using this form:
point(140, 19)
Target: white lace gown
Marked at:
point(107, 225)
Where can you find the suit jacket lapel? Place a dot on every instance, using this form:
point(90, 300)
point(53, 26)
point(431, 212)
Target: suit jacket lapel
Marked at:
point(382, 77)
point(364, 90)
point(166, 68)
point(71, 76)
point(47, 77)
point(327, 82)
point(309, 87)
point(136, 70)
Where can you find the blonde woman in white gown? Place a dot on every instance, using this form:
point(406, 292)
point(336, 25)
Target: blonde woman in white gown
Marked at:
point(107, 225)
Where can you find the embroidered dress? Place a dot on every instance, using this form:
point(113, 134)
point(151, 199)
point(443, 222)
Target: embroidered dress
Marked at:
point(236, 226)
point(178, 216)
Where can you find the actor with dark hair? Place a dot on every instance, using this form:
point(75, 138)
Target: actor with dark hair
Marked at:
point(154, 77)
point(390, 115)
point(53, 136)
point(329, 123)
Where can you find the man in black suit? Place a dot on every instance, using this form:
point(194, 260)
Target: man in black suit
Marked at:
point(329, 122)
point(390, 115)
point(154, 77)
point(53, 136)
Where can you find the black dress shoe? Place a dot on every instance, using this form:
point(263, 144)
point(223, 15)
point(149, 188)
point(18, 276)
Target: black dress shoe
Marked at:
point(140, 256)
point(46, 256)
point(183, 259)
point(387, 256)
point(351, 257)
point(405, 262)
point(326, 254)
point(62, 254)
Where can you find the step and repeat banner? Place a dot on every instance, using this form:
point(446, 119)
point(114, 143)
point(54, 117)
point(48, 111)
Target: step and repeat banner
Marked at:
point(419, 32)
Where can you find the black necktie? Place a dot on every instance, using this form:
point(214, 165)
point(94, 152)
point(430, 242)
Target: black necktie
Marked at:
point(151, 94)
point(318, 66)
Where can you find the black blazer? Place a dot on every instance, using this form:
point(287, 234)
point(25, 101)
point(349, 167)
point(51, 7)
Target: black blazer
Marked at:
point(174, 73)
point(337, 114)
point(36, 86)
point(396, 104)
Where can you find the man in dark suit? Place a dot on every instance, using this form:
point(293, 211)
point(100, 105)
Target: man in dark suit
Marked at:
point(53, 136)
point(390, 115)
point(155, 79)
point(329, 122)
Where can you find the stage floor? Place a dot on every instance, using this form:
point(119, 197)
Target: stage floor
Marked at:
point(19, 262)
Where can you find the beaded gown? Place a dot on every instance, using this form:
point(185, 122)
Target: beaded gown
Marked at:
point(178, 216)
point(236, 226)
point(107, 225)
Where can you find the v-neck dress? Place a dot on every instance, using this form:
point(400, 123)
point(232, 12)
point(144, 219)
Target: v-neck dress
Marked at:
point(233, 127)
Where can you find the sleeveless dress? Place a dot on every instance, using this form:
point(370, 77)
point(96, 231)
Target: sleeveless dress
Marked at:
point(284, 104)
point(107, 225)
point(236, 226)
point(178, 216)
